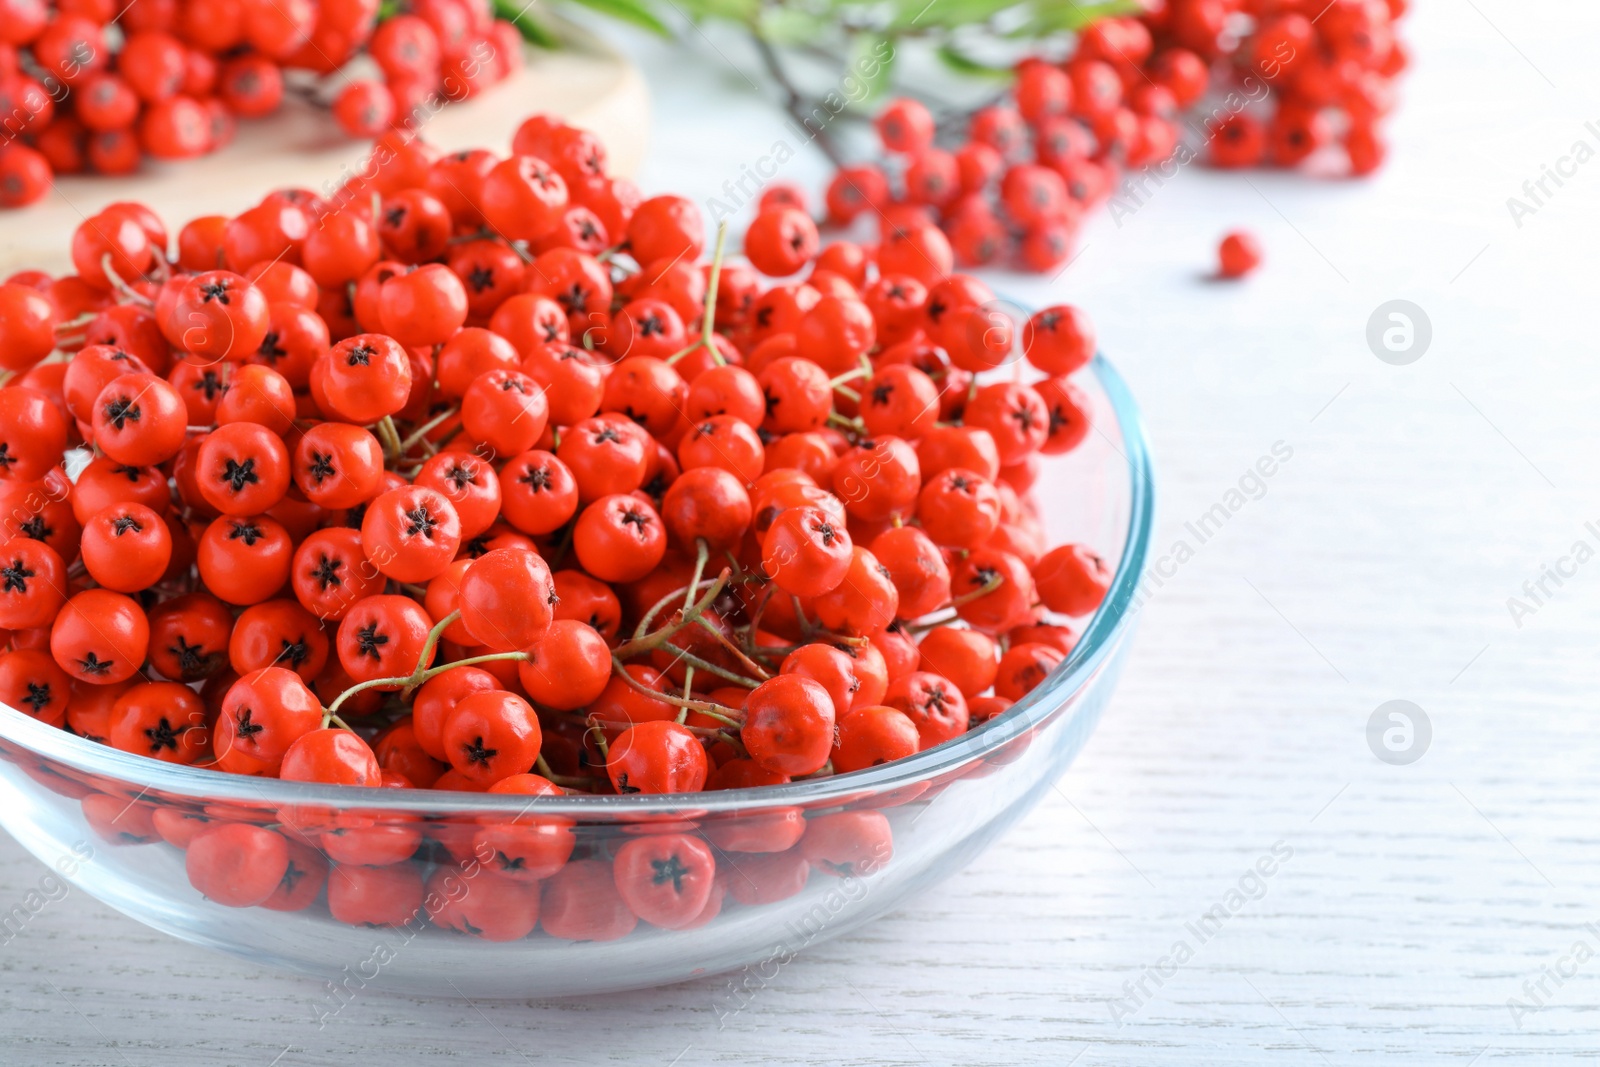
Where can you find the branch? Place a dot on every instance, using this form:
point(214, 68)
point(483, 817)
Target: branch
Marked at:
point(794, 103)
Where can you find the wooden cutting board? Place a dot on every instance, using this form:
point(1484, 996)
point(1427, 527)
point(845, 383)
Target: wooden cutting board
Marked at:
point(588, 84)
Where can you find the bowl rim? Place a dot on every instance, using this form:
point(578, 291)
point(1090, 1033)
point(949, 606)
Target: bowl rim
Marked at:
point(1105, 632)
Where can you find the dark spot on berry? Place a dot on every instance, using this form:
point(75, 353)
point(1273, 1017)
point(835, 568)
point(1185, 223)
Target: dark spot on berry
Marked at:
point(193, 660)
point(291, 877)
point(269, 349)
point(477, 753)
point(244, 724)
point(326, 572)
point(321, 468)
point(420, 522)
point(161, 736)
point(121, 411)
point(369, 641)
point(38, 697)
point(246, 531)
point(238, 475)
point(16, 575)
point(293, 654)
point(671, 870)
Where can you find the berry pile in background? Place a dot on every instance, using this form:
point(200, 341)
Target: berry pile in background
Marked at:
point(96, 85)
point(479, 476)
point(1230, 83)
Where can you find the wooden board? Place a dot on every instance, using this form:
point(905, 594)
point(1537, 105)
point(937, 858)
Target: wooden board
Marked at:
point(589, 85)
point(1377, 566)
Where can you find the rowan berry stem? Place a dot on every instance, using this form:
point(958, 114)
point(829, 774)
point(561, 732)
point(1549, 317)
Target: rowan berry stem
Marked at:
point(428, 427)
point(718, 712)
point(800, 614)
point(129, 294)
point(692, 661)
point(431, 642)
point(755, 621)
point(82, 320)
point(702, 552)
point(780, 651)
point(600, 741)
point(745, 661)
point(650, 642)
point(471, 661)
point(709, 322)
point(565, 781)
point(448, 436)
point(389, 436)
point(409, 682)
point(655, 609)
point(713, 279)
point(982, 591)
point(330, 712)
point(956, 602)
point(814, 632)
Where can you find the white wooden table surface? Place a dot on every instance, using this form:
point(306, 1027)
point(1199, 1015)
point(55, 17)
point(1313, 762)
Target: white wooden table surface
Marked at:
point(1417, 900)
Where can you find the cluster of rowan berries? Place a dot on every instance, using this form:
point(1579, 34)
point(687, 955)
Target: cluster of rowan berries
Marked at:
point(1238, 83)
point(95, 85)
point(476, 476)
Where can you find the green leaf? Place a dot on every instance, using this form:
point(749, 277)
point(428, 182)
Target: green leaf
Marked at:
point(873, 62)
point(632, 11)
point(787, 26)
point(951, 57)
point(740, 11)
point(533, 31)
point(536, 33)
point(934, 14)
point(1054, 16)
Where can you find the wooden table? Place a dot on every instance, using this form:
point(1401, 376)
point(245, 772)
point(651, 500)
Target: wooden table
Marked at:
point(1416, 900)
point(299, 146)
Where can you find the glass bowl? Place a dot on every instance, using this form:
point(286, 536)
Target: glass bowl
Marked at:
point(796, 864)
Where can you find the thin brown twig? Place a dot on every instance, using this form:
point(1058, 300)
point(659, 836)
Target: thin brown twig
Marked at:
point(794, 103)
